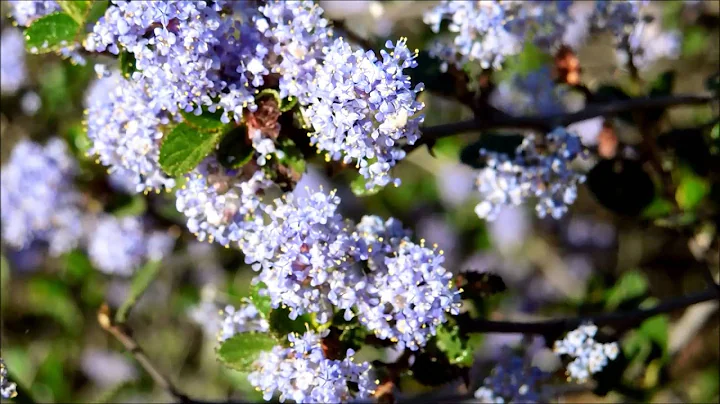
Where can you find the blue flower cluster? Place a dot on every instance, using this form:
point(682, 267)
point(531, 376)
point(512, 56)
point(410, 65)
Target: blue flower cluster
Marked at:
point(220, 203)
point(13, 72)
point(545, 175)
point(589, 355)
point(513, 380)
point(125, 131)
point(488, 32)
point(119, 246)
point(314, 261)
point(364, 108)
point(244, 319)
point(8, 389)
point(303, 374)
point(38, 199)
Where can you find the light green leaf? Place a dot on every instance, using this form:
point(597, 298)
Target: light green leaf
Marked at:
point(51, 33)
point(632, 284)
point(656, 329)
point(185, 147)
point(77, 9)
point(240, 351)
point(459, 351)
point(358, 187)
point(140, 282)
point(206, 122)
point(261, 303)
point(691, 191)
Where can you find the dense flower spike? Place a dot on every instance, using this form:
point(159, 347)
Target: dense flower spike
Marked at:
point(8, 389)
point(189, 53)
point(513, 380)
point(220, 203)
point(125, 131)
point(303, 374)
point(26, 11)
point(119, 246)
point(531, 173)
point(12, 61)
point(364, 108)
point(38, 198)
point(244, 319)
point(301, 252)
point(589, 356)
point(297, 33)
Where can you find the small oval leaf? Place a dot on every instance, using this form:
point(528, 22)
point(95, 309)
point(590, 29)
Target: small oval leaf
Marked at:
point(185, 147)
point(50, 33)
point(240, 351)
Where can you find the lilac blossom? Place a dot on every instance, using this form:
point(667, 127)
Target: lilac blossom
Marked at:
point(589, 356)
point(364, 108)
point(303, 374)
point(8, 389)
point(13, 72)
point(513, 380)
point(26, 11)
point(39, 201)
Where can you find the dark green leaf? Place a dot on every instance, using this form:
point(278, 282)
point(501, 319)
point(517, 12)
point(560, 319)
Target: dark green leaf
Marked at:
point(206, 122)
point(185, 147)
point(136, 206)
point(97, 10)
point(54, 299)
point(712, 83)
point(240, 351)
point(77, 9)
point(50, 33)
point(77, 265)
point(690, 146)
point(127, 64)
point(288, 104)
point(493, 142)
point(359, 188)
point(281, 325)
point(622, 186)
point(662, 86)
point(261, 303)
point(289, 155)
point(606, 94)
point(234, 150)
point(140, 282)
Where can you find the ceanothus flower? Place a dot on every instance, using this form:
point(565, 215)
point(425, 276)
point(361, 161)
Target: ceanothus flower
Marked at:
point(302, 373)
point(490, 31)
point(589, 355)
point(13, 72)
point(364, 108)
point(126, 133)
point(244, 319)
point(120, 245)
point(297, 33)
point(8, 389)
point(24, 12)
point(301, 253)
point(531, 173)
point(39, 201)
point(220, 203)
point(190, 54)
point(408, 297)
point(513, 380)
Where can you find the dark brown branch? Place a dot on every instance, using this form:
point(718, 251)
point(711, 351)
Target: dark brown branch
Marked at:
point(496, 119)
point(619, 320)
point(132, 346)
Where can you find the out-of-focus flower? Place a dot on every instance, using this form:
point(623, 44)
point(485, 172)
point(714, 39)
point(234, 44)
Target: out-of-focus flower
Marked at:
point(107, 368)
point(513, 380)
point(13, 72)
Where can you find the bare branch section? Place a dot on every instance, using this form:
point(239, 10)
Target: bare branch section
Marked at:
point(619, 320)
point(496, 119)
point(133, 347)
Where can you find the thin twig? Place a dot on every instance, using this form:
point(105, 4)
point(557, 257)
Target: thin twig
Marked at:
point(134, 348)
point(617, 319)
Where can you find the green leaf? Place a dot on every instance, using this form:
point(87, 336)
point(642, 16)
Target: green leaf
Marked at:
point(50, 33)
point(140, 282)
point(185, 147)
point(234, 150)
point(77, 9)
point(97, 10)
point(631, 285)
point(656, 329)
point(460, 351)
point(359, 188)
point(77, 265)
point(288, 154)
point(691, 191)
point(127, 64)
point(261, 303)
point(240, 351)
point(281, 325)
point(659, 207)
point(52, 298)
point(205, 122)
point(136, 206)
point(288, 104)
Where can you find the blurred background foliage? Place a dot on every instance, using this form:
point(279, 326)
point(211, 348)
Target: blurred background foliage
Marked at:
point(592, 260)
